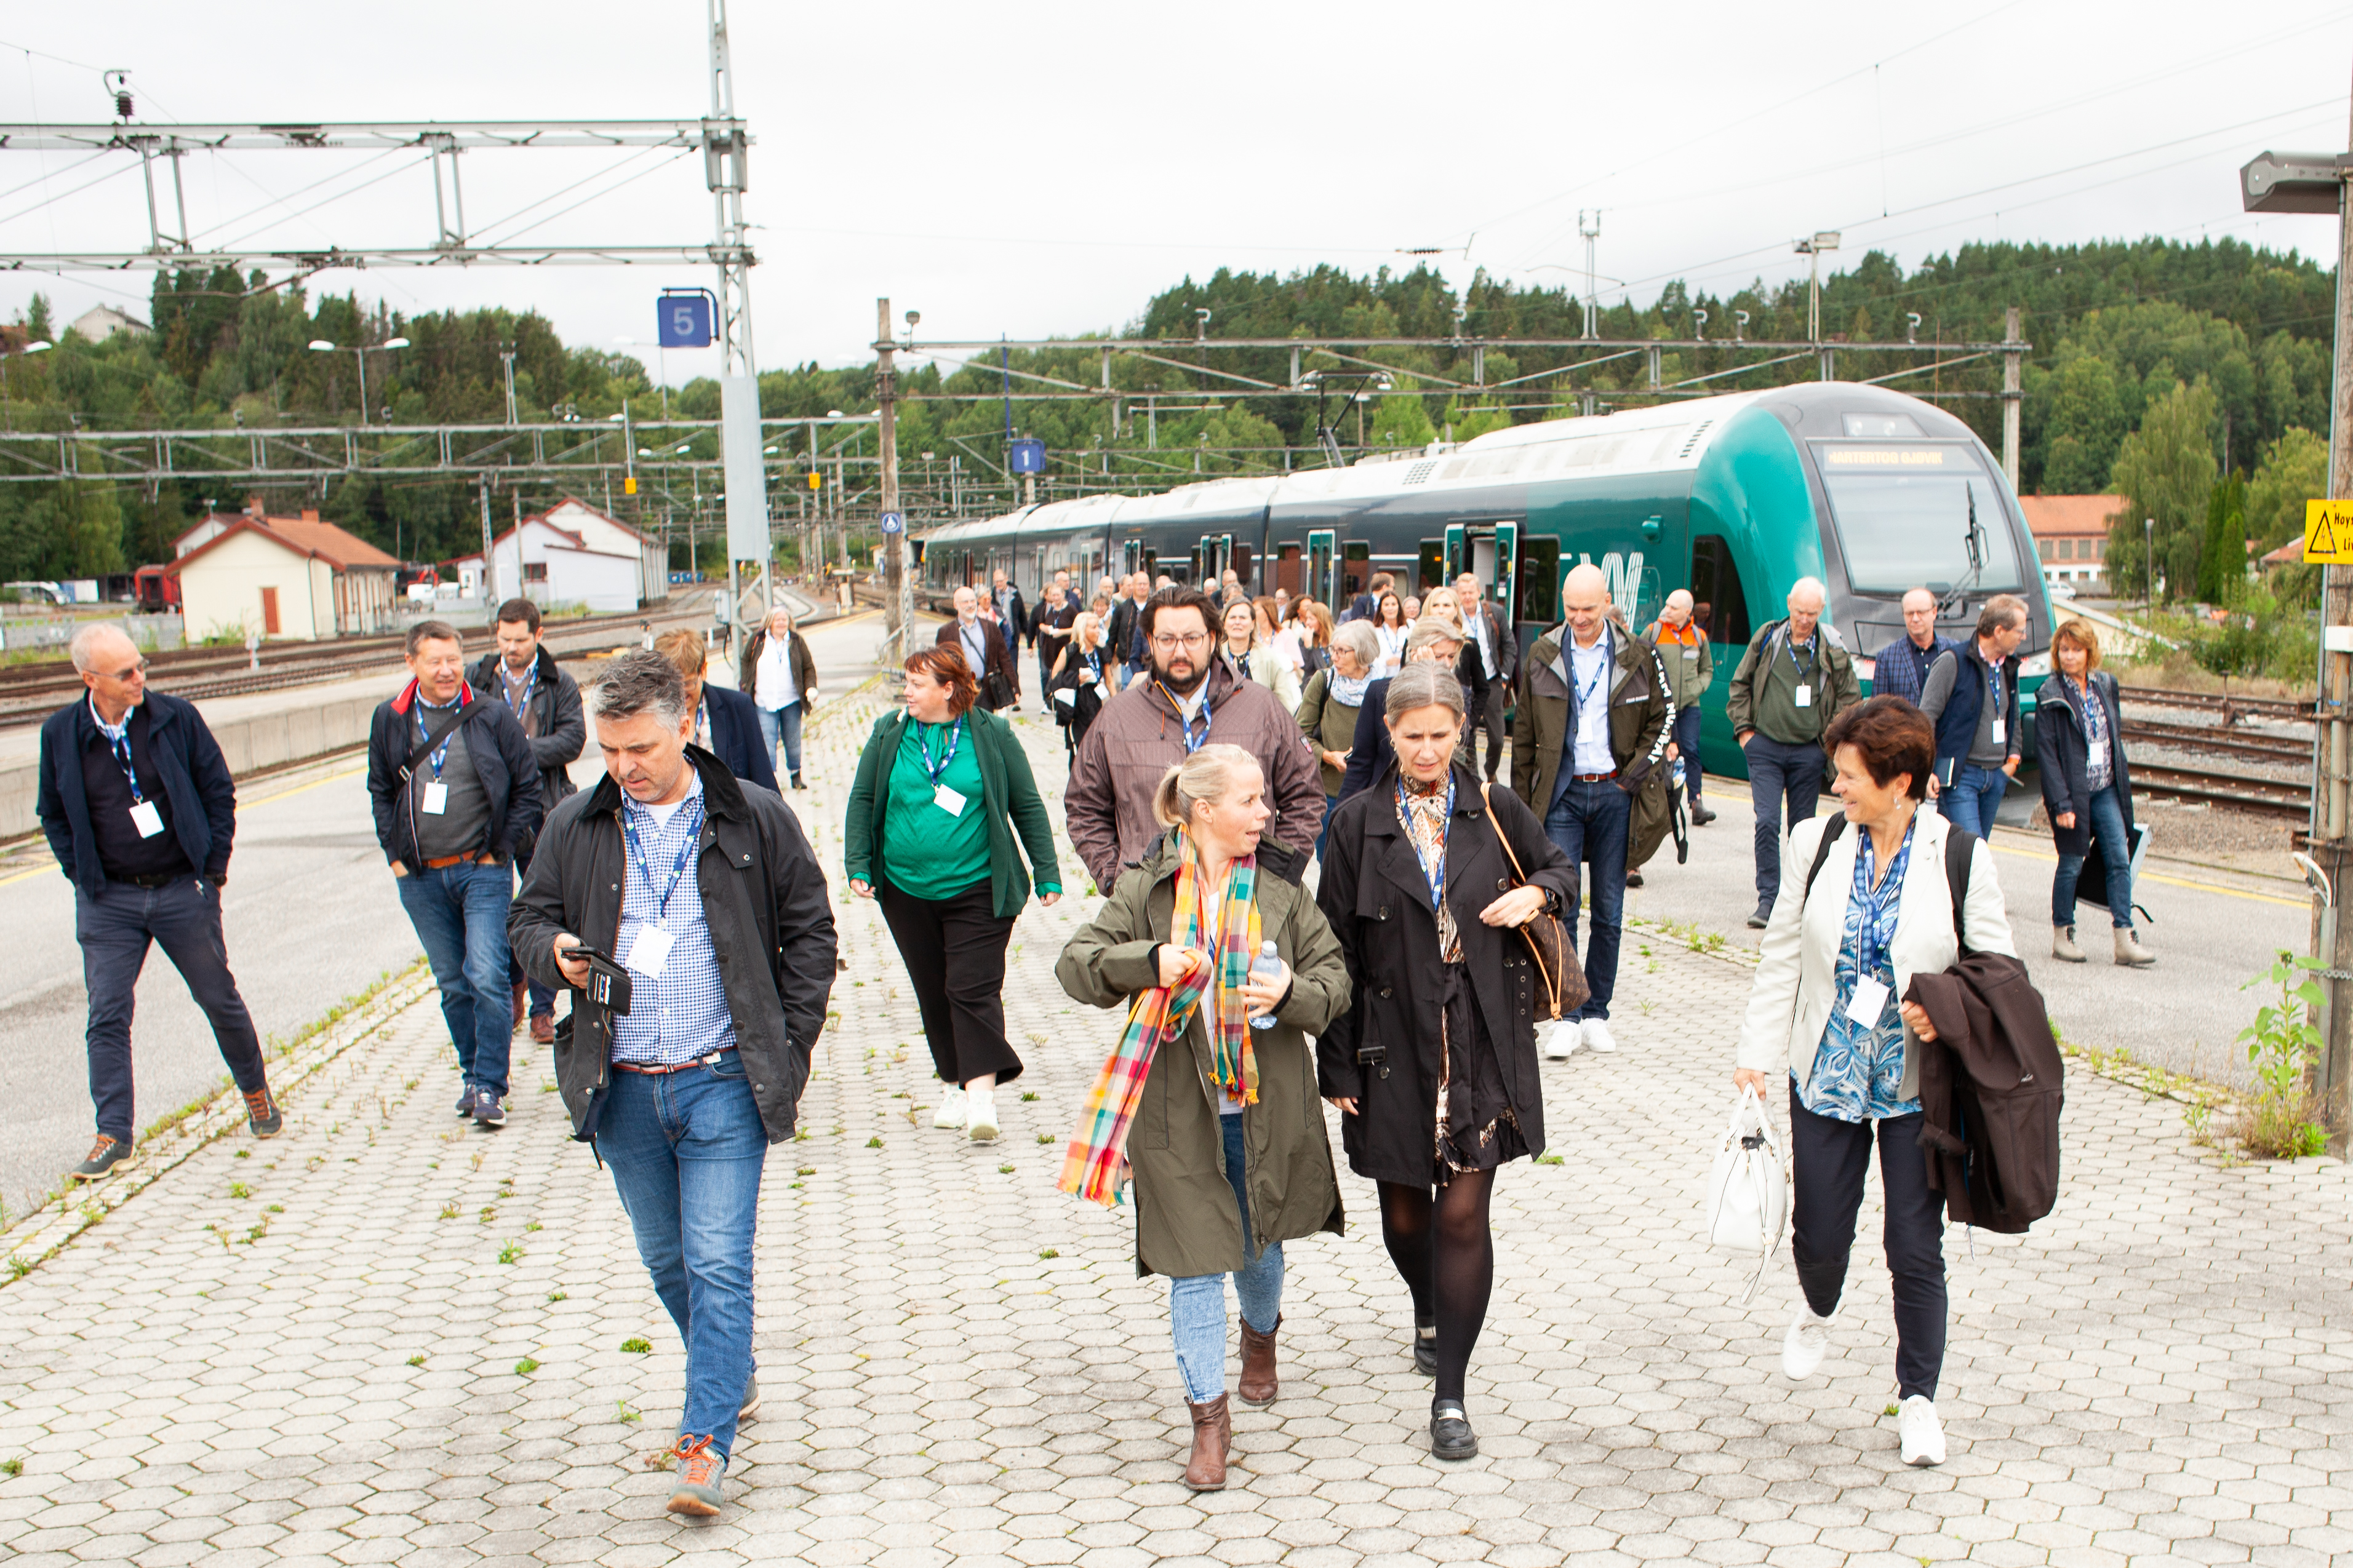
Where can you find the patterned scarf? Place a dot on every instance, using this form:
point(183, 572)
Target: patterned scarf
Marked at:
point(1095, 1165)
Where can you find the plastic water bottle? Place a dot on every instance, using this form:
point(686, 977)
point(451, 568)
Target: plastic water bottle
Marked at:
point(1265, 967)
point(1677, 776)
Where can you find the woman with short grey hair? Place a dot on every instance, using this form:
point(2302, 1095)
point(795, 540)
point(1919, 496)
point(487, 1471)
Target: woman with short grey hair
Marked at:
point(1329, 709)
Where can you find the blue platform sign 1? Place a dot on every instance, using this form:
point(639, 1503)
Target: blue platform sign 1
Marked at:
point(895, 522)
point(1026, 456)
point(683, 321)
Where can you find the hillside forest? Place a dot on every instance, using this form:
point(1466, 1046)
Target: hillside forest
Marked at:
point(2192, 380)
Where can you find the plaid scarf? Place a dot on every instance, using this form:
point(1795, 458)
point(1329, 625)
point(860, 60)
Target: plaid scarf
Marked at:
point(1095, 1165)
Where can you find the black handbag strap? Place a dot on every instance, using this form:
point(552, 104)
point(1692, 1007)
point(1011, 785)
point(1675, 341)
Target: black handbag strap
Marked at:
point(425, 747)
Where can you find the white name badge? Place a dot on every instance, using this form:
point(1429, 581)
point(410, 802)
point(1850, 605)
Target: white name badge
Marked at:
point(146, 819)
point(947, 800)
point(1691, 653)
point(2000, 731)
point(436, 796)
point(1870, 999)
point(649, 954)
point(1805, 697)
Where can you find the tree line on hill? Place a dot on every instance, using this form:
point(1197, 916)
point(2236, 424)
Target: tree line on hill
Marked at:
point(2192, 380)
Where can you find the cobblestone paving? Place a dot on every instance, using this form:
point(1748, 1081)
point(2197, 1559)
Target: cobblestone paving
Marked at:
point(388, 1337)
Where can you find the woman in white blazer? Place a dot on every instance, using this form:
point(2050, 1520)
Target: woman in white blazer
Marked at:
point(1840, 951)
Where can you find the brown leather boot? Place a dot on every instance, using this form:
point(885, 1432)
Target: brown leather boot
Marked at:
point(1213, 1439)
point(1259, 1382)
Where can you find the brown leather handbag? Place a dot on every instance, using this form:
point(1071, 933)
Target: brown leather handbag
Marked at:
point(1561, 989)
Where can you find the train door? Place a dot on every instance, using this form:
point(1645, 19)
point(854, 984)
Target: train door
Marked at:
point(1356, 571)
point(1720, 606)
point(1500, 574)
point(1242, 559)
point(1458, 538)
point(1130, 558)
point(1288, 565)
point(1151, 567)
point(1538, 608)
point(1320, 544)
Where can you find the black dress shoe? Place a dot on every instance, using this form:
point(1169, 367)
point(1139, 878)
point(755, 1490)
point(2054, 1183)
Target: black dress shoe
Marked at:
point(1633, 878)
point(1425, 1347)
point(1450, 1436)
point(1762, 918)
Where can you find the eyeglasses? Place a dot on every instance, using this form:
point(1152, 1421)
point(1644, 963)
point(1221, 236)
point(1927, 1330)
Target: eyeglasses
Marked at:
point(1168, 642)
point(139, 668)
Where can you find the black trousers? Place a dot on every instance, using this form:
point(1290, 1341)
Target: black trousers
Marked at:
point(954, 949)
point(1828, 1158)
point(1487, 715)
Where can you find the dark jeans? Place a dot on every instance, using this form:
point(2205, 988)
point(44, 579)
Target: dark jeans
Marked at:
point(543, 1000)
point(1828, 1158)
point(954, 953)
point(2107, 826)
point(1776, 773)
point(1687, 747)
point(1976, 792)
point(687, 1149)
point(460, 916)
point(1487, 717)
point(1590, 822)
point(115, 928)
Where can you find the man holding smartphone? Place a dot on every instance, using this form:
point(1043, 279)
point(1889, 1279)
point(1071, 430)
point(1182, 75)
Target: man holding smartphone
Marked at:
point(707, 894)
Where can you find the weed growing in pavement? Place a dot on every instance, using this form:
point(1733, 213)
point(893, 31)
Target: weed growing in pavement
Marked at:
point(489, 1213)
point(277, 1208)
point(805, 1170)
point(11, 1467)
point(874, 1142)
point(19, 1266)
point(240, 1190)
point(1004, 1170)
point(416, 1360)
point(512, 1251)
point(1051, 1252)
point(532, 1224)
point(624, 1412)
point(1548, 1159)
point(1045, 1137)
point(525, 1367)
point(2282, 1121)
point(637, 1347)
point(242, 1155)
point(1029, 1094)
point(449, 1211)
point(556, 1296)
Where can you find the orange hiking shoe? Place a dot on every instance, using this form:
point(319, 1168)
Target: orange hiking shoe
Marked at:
point(699, 1469)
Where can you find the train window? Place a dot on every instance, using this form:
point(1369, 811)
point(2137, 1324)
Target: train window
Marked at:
point(1286, 569)
point(1240, 562)
point(1882, 426)
point(1431, 570)
point(1920, 527)
point(1719, 605)
point(1355, 567)
point(1539, 582)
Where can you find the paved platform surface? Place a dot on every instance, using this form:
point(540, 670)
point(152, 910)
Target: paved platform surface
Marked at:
point(387, 1337)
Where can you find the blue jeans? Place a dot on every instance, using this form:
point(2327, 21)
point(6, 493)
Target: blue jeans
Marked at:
point(1687, 747)
point(543, 1000)
point(115, 929)
point(1778, 772)
point(1590, 822)
point(783, 724)
point(686, 1150)
point(1196, 1304)
point(460, 916)
point(2107, 826)
point(1969, 804)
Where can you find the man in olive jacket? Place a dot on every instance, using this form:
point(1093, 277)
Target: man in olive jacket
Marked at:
point(705, 892)
point(1594, 723)
point(1796, 677)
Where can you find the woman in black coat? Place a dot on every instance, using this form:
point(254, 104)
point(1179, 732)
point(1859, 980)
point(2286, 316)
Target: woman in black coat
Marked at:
point(2086, 789)
point(1434, 1065)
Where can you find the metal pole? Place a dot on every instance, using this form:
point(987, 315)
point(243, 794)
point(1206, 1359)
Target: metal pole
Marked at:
point(898, 615)
point(2012, 395)
point(361, 354)
point(489, 562)
point(2334, 1071)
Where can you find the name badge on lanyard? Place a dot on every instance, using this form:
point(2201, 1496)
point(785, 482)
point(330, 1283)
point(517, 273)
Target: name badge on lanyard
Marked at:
point(144, 815)
point(1804, 698)
point(1999, 728)
point(649, 953)
point(948, 800)
point(146, 819)
point(437, 798)
point(1870, 999)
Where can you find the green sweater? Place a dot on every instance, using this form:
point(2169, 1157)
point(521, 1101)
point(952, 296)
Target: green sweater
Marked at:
point(887, 820)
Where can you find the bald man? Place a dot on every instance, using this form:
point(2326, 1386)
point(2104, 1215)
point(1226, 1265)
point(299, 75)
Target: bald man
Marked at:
point(1593, 720)
point(139, 810)
point(1691, 665)
point(1796, 677)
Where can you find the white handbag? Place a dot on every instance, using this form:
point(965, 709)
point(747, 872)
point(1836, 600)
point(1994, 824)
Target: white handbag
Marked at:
point(1748, 1189)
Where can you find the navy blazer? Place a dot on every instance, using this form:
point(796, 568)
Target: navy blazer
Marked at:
point(735, 737)
point(195, 781)
point(1371, 751)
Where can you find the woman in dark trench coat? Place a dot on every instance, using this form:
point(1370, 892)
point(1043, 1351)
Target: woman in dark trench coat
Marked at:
point(1434, 1066)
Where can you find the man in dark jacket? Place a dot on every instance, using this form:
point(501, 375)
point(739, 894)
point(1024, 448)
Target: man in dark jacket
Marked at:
point(1012, 614)
point(709, 897)
point(1795, 678)
point(970, 631)
point(139, 810)
point(1123, 639)
point(1971, 696)
point(546, 702)
point(726, 723)
point(1498, 652)
point(456, 792)
point(1594, 720)
point(1049, 628)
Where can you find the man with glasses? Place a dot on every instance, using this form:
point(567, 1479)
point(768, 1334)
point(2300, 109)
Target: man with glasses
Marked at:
point(140, 811)
point(984, 650)
point(1188, 697)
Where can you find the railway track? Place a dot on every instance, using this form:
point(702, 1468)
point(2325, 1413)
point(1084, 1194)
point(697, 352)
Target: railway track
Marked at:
point(2286, 749)
point(2289, 800)
point(2232, 707)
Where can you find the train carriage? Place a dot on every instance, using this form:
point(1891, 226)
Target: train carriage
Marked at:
point(1734, 498)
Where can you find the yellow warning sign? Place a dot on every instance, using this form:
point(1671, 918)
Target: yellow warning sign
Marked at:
point(2328, 531)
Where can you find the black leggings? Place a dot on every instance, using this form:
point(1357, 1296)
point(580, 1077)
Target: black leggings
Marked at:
point(1446, 1253)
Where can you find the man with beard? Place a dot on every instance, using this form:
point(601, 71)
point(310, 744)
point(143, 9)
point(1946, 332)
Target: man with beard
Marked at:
point(1188, 697)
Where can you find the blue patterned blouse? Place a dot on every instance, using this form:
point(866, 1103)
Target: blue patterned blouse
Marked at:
point(1859, 1069)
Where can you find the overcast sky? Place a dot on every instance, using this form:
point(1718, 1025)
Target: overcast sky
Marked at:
point(1044, 168)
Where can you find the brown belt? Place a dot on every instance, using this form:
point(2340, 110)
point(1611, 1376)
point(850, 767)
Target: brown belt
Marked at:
point(1595, 778)
point(659, 1069)
point(445, 861)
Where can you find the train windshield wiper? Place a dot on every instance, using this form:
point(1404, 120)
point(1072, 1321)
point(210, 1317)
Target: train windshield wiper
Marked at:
point(1973, 540)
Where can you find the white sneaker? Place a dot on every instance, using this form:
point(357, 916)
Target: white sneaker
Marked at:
point(1919, 1432)
point(980, 1118)
point(1561, 1038)
point(952, 1106)
point(1808, 1341)
point(1597, 1037)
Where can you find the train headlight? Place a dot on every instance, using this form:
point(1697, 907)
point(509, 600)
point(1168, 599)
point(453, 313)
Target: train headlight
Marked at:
point(2034, 665)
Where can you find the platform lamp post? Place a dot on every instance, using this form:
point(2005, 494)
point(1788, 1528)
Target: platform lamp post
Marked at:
point(359, 351)
point(1811, 249)
point(2316, 183)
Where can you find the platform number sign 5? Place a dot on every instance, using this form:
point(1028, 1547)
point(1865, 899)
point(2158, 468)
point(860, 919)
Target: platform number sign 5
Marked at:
point(683, 321)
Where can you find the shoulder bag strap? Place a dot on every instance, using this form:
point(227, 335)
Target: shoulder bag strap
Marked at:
point(424, 748)
point(1488, 801)
point(1830, 833)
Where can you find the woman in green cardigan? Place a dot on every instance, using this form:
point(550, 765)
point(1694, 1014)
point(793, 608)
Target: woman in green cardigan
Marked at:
point(941, 790)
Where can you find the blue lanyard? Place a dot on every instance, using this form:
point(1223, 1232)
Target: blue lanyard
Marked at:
point(440, 752)
point(685, 857)
point(1993, 689)
point(118, 741)
point(1192, 744)
point(531, 684)
point(1585, 691)
point(956, 735)
point(1813, 656)
point(1436, 874)
point(1870, 955)
point(1095, 664)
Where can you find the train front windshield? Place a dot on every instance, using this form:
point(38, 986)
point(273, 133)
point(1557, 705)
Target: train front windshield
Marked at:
point(1903, 514)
